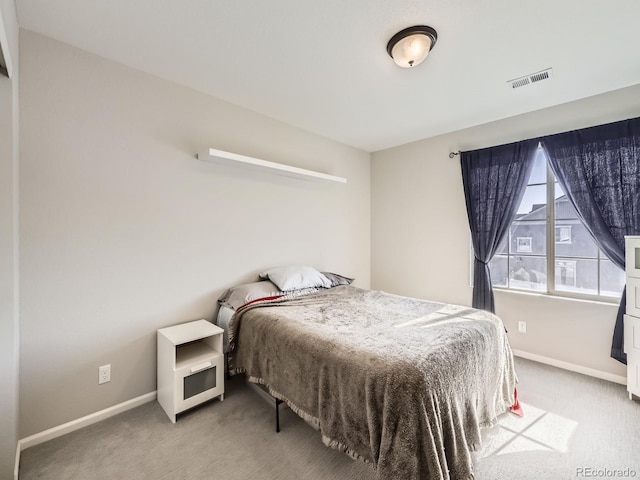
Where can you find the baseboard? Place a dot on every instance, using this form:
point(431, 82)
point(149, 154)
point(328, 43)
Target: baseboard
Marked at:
point(591, 372)
point(90, 419)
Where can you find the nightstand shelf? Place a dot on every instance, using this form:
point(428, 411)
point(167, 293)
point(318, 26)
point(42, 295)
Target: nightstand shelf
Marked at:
point(187, 355)
point(190, 366)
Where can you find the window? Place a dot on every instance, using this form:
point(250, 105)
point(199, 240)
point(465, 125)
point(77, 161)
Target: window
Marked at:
point(549, 250)
point(563, 233)
point(523, 244)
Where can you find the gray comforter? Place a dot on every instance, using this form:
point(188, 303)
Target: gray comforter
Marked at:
point(401, 383)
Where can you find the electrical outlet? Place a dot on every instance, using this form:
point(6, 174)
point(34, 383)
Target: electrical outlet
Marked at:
point(522, 327)
point(104, 374)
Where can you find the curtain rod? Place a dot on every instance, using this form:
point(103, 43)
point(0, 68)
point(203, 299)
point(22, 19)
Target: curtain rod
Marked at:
point(453, 154)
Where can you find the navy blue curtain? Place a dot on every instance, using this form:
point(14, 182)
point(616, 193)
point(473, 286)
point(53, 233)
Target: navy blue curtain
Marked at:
point(494, 181)
point(599, 170)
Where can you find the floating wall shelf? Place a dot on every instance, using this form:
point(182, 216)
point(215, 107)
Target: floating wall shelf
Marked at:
point(227, 158)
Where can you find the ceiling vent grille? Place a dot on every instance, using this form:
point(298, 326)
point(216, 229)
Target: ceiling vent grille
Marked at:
point(531, 78)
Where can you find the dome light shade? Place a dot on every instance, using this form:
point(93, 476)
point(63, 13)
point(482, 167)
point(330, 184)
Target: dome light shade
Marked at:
point(410, 46)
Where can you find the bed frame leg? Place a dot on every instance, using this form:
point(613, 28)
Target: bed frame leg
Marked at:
point(278, 402)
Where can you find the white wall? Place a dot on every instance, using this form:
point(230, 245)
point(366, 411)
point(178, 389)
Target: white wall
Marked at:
point(123, 231)
point(9, 247)
point(420, 233)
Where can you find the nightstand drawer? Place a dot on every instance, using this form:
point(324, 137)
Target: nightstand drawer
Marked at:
point(195, 384)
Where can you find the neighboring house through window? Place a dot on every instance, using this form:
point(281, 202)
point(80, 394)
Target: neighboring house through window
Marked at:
point(548, 249)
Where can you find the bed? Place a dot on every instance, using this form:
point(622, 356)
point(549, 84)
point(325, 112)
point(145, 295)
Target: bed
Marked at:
point(403, 384)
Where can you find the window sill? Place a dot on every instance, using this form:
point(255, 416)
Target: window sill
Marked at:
point(597, 301)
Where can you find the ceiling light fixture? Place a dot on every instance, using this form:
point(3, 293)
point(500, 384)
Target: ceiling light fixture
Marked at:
point(410, 46)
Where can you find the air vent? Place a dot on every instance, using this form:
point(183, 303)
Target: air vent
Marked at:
point(531, 78)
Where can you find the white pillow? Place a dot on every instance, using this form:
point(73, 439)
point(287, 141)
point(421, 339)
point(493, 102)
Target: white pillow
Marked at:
point(296, 277)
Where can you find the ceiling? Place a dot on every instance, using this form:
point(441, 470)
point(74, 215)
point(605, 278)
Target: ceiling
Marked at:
point(322, 65)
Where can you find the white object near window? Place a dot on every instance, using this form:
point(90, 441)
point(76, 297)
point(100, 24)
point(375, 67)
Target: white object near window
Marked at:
point(632, 317)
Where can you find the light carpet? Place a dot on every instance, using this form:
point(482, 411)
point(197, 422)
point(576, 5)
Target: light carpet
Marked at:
point(574, 427)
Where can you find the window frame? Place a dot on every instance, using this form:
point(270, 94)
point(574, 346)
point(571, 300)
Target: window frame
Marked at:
point(551, 255)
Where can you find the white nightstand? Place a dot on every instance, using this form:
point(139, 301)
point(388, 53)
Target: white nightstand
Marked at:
point(190, 366)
